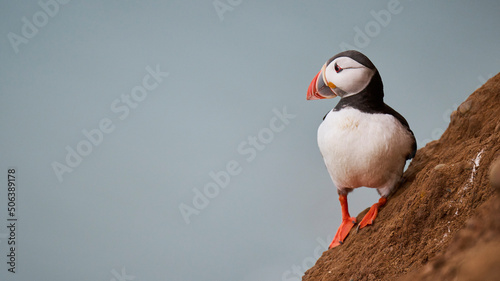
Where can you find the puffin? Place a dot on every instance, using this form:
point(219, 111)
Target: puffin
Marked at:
point(363, 141)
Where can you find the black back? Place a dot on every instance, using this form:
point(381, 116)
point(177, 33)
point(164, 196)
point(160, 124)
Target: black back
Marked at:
point(371, 98)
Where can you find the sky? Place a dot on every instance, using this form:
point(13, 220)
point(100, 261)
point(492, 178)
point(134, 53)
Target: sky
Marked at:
point(172, 140)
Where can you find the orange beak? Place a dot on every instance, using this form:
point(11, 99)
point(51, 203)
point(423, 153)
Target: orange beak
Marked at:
point(318, 89)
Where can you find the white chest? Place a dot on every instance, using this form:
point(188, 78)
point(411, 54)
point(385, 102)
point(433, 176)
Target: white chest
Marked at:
point(362, 149)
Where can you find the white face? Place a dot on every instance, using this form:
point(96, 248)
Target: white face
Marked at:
point(348, 76)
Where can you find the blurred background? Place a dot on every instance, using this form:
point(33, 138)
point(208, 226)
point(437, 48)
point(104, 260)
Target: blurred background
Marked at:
point(171, 140)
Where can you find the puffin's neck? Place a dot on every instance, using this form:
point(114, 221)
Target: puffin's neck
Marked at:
point(369, 100)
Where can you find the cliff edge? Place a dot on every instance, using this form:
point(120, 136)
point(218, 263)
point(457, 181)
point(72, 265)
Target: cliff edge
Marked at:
point(443, 222)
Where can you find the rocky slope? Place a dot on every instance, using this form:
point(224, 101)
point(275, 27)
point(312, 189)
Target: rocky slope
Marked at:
point(443, 223)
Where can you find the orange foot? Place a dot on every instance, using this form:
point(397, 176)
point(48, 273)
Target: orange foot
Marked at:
point(342, 232)
point(346, 225)
point(372, 213)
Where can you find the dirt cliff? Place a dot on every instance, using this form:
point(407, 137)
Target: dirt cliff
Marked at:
point(443, 222)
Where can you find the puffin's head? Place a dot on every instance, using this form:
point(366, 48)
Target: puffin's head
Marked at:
point(345, 74)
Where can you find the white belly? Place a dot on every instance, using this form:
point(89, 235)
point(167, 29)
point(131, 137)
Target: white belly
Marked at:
point(362, 149)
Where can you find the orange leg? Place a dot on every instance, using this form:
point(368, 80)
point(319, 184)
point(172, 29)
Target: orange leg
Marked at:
point(372, 213)
point(346, 225)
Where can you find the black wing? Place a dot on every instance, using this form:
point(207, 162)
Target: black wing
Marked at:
point(402, 120)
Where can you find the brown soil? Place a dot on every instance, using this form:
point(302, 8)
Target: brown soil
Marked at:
point(443, 223)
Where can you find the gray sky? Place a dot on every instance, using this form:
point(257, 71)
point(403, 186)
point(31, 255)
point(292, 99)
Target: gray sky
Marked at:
point(117, 115)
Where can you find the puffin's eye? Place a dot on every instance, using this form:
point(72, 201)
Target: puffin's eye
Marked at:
point(337, 68)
